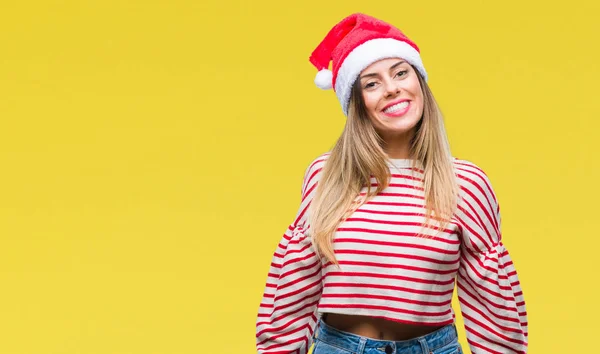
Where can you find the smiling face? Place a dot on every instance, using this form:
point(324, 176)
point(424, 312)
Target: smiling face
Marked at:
point(393, 98)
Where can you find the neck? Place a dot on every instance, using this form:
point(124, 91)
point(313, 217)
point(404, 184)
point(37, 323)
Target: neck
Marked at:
point(397, 147)
point(398, 153)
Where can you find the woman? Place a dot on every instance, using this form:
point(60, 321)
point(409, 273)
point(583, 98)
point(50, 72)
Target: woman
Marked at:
point(389, 220)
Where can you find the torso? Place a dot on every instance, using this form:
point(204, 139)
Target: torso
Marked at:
point(376, 328)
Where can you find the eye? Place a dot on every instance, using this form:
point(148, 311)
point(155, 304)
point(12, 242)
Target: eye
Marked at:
point(369, 85)
point(402, 73)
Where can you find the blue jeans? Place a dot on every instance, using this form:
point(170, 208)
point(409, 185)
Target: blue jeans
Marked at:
point(329, 340)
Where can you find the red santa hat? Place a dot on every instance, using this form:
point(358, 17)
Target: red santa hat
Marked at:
point(352, 45)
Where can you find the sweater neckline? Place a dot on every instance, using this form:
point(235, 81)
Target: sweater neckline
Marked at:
point(402, 163)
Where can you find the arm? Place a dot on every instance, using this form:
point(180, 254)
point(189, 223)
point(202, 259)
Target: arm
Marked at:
point(287, 314)
point(489, 291)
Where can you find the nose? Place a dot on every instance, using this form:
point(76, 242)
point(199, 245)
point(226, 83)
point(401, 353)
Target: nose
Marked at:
point(391, 87)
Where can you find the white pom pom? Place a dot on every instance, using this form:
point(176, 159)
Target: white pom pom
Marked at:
point(323, 79)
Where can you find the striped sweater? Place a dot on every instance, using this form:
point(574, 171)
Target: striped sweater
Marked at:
point(386, 271)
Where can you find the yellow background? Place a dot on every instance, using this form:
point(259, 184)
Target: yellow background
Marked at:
point(152, 154)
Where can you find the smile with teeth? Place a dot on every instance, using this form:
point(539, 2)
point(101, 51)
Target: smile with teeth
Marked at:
point(396, 107)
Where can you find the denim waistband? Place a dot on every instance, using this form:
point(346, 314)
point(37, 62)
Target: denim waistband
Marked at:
point(357, 344)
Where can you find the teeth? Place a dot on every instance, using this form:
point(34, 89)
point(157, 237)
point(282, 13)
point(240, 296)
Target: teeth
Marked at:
point(396, 107)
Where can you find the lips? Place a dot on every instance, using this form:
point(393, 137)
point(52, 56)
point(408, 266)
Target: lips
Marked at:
point(397, 109)
point(394, 103)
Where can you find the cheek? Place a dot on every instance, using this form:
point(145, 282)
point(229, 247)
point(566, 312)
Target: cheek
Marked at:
point(418, 97)
point(370, 101)
point(419, 101)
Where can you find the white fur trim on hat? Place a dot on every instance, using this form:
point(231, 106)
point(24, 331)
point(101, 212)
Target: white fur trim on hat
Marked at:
point(366, 54)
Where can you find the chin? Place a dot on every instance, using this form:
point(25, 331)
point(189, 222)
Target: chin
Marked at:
point(387, 130)
point(399, 120)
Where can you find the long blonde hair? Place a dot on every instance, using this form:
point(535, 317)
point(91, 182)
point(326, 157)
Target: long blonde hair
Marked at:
point(358, 155)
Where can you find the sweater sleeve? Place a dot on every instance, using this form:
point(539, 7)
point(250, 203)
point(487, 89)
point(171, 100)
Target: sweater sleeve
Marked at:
point(287, 315)
point(489, 291)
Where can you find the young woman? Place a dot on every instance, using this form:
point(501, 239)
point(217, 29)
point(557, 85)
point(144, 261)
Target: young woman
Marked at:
point(388, 221)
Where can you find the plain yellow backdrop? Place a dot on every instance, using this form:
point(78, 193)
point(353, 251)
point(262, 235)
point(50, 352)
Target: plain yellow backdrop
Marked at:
point(152, 154)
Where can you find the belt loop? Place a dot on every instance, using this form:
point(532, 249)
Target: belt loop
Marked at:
point(424, 346)
point(318, 325)
point(361, 345)
point(320, 319)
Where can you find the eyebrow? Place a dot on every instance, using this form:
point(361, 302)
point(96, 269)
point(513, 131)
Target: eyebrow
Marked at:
point(391, 68)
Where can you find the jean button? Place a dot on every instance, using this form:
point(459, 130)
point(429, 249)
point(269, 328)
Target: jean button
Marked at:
point(389, 349)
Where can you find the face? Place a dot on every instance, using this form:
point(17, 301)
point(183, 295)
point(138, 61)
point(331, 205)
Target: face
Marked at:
point(393, 97)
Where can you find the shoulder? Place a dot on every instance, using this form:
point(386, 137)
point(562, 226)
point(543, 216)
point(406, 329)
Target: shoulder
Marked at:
point(472, 179)
point(468, 169)
point(316, 166)
point(319, 161)
point(313, 172)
